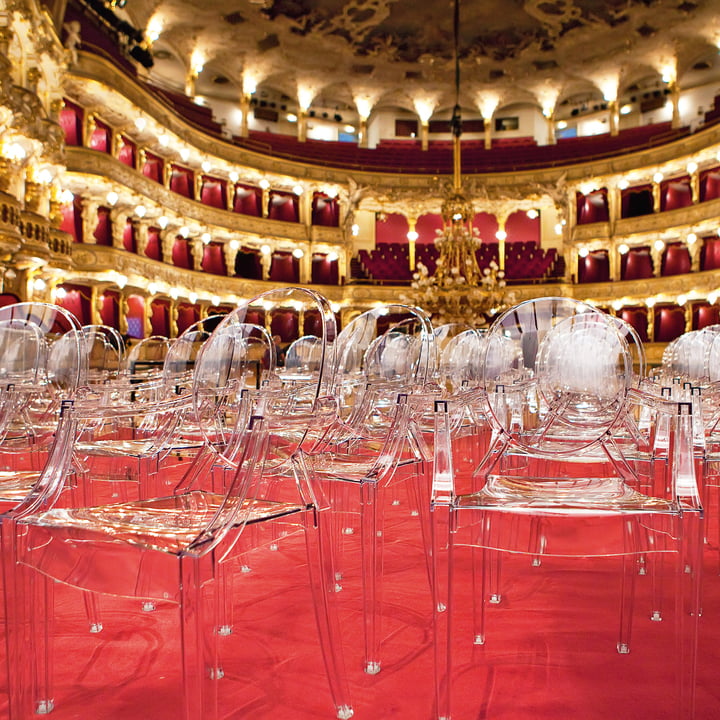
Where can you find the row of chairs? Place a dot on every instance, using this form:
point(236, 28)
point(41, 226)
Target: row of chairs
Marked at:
point(156, 479)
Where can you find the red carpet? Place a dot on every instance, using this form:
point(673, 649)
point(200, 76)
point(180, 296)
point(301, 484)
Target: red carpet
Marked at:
point(550, 651)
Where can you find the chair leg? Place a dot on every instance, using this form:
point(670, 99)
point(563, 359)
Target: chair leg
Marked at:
point(29, 614)
point(442, 585)
point(629, 576)
point(321, 568)
point(688, 609)
point(92, 611)
point(200, 664)
point(17, 633)
point(372, 573)
point(42, 591)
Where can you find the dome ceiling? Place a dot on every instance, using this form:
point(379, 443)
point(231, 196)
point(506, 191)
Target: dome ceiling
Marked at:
point(395, 51)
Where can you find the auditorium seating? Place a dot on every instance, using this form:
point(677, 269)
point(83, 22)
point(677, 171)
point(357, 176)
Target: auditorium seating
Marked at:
point(407, 156)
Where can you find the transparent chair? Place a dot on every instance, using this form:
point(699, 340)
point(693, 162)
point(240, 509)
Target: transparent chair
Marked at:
point(375, 443)
point(144, 360)
point(34, 393)
point(249, 473)
point(304, 355)
point(558, 405)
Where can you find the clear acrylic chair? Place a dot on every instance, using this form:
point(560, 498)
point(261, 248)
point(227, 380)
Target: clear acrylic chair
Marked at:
point(375, 443)
point(250, 472)
point(561, 454)
point(34, 393)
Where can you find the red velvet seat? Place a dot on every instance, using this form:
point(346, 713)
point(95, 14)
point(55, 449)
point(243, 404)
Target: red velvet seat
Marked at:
point(247, 200)
point(214, 259)
point(637, 318)
point(676, 260)
point(129, 240)
point(637, 264)
point(103, 229)
point(182, 253)
point(126, 151)
point(182, 181)
point(160, 317)
point(594, 267)
point(71, 121)
point(100, 138)
point(669, 322)
point(153, 248)
point(153, 168)
point(676, 194)
point(213, 192)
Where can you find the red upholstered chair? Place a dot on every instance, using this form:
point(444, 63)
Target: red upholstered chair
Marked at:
point(284, 267)
point(129, 241)
point(676, 260)
point(213, 192)
point(153, 168)
point(710, 185)
point(71, 121)
point(214, 259)
point(637, 318)
point(324, 210)
point(103, 229)
point(669, 322)
point(710, 255)
point(247, 200)
point(127, 152)
point(160, 317)
point(637, 264)
point(100, 138)
point(675, 194)
point(283, 206)
point(182, 181)
point(182, 253)
point(705, 314)
point(72, 219)
point(593, 208)
point(153, 249)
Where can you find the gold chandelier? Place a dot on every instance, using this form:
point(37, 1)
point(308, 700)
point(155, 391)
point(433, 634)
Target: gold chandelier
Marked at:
point(458, 291)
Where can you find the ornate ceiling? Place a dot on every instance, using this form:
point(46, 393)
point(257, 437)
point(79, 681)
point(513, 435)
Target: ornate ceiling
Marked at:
point(396, 51)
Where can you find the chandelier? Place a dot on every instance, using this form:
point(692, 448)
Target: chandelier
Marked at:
point(458, 291)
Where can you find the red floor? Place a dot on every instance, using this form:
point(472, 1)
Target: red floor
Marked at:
point(550, 651)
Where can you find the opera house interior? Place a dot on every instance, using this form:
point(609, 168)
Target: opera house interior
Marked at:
point(164, 163)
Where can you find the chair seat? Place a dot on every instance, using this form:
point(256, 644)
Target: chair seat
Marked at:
point(15, 485)
point(169, 524)
point(118, 448)
point(595, 495)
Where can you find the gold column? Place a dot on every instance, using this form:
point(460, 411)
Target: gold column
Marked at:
point(95, 305)
point(651, 323)
point(412, 239)
point(487, 130)
point(245, 115)
point(173, 318)
point(695, 186)
point(362, 133)
point(675, 100)
point(614, 117)
point(424, 134)
point(302, 126)
point(501, 237)
point(552, 140)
